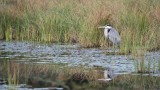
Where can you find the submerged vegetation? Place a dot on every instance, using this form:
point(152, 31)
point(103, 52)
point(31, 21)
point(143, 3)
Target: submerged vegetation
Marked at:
point(68, 21)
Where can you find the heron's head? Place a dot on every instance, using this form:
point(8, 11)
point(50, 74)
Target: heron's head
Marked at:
point(107, 27)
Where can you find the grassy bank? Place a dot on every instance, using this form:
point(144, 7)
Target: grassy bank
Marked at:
point(68, 21)
point(78, 78)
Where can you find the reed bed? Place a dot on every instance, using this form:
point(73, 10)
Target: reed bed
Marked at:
point(70, 21)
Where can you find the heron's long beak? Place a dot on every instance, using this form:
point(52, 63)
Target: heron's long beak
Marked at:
point(101, 27)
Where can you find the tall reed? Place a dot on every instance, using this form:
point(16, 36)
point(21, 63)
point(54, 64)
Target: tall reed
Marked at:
point(67, 21)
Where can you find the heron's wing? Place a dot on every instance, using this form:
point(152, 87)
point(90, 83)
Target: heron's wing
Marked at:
point(114, 36)
point(114, 33)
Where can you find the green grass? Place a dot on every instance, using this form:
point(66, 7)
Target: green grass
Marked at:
point(68, 21)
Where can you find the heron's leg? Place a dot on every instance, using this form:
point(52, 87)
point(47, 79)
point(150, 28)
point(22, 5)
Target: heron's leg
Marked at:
point(114, 48)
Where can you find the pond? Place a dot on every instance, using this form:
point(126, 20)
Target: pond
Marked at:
point(73, 55)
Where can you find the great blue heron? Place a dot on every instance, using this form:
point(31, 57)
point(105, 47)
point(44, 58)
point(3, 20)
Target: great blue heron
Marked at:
point(111, 34)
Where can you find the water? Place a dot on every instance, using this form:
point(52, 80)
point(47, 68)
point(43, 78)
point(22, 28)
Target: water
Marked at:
point(73, 55)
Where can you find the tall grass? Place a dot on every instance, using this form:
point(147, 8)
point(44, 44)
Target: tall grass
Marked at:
point(67, 21)
point(140, 29)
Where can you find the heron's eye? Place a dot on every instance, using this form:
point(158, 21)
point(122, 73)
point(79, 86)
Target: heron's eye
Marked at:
point(108, 25)
point(109, 30)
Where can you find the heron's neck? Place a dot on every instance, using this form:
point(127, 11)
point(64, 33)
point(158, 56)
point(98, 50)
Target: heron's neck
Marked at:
point(106, 32)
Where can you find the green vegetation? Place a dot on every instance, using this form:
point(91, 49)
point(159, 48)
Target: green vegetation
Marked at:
point(77, 78)
point(67, 21)
point(70, 21)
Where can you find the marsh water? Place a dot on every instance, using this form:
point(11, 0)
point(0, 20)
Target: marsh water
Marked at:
point(73, 55)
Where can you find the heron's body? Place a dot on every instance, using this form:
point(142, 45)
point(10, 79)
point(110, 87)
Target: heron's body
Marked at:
point(112, 34)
